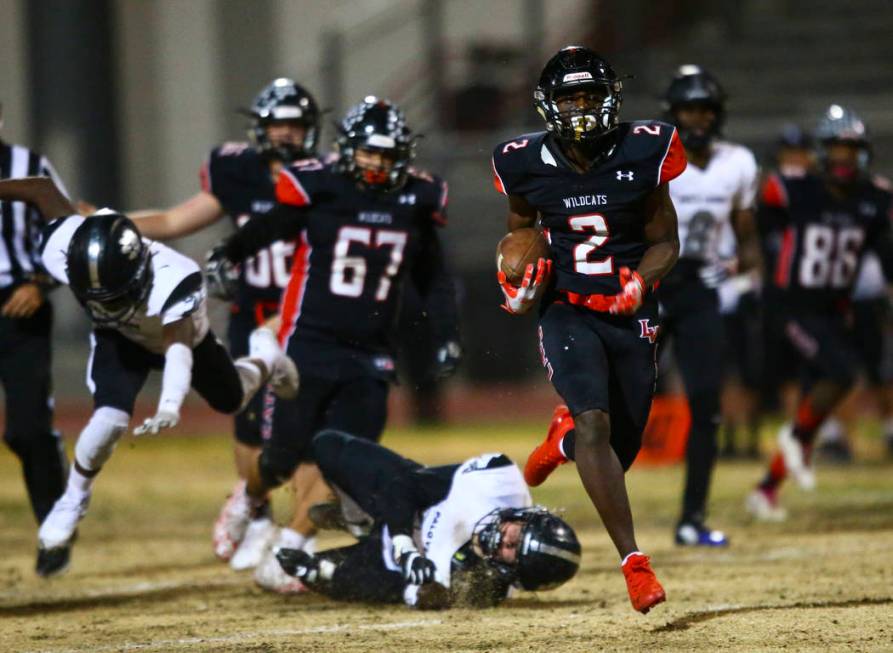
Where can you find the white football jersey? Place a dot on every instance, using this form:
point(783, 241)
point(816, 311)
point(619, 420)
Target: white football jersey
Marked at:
point(705, 198)
point(163, 306)
point(447, 526)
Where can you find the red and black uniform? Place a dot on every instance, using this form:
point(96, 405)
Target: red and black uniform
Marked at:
point(595, 225)
point(239, 177)
point(355, 247)
point(823, 239)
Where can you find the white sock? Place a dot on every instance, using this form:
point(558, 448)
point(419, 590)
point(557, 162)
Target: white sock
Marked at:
point(291, 539)
point(78, 484)
point(629, 555)
point(262, 344)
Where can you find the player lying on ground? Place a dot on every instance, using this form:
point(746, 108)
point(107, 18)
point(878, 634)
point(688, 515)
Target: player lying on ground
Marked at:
point(600, 190)
point(829, 222)
point(462, 534)
point(365, 224)
point(147, 306)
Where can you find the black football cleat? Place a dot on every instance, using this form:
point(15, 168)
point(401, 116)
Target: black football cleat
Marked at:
point(53, 562)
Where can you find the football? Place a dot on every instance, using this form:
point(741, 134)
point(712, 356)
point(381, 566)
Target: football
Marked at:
point(517, 250)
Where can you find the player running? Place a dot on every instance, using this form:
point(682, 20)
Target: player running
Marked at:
point(147, 305)
point(240, 179)
point(363, 223)
point(599, 188)
point(714, 199)
point(829, 222)
point(462, 534)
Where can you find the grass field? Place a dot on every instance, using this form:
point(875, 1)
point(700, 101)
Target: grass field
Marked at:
point(143, 576)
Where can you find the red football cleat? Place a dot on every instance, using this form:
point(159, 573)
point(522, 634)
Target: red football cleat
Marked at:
point(645, 591)
point(546, 457)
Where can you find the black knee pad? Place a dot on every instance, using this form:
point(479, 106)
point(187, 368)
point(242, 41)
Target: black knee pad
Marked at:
point(277, 464)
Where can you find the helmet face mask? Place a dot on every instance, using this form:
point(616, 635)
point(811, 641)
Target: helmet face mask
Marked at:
point(579, 73)
point(375, 146)
point(844, 147)
point(691, 96)
point(281, 103)
point(547, 552)
point(109, 268)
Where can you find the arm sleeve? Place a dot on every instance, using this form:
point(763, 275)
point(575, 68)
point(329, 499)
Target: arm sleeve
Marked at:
point(882, 243)
point(185, 299)
point(746, 194)
point(772, 211)
point(674, 161)
point(411, 492)
point(54, 246)
point(437, 287)
point(284, 222)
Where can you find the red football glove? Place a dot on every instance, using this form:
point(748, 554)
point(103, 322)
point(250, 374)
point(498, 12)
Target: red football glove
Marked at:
point(519, 299)
point(629, 299)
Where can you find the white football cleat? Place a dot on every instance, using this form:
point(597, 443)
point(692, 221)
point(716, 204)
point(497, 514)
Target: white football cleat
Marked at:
point(232, 522)
point(58, 528)
point(258, 538)
point(796, 461)
point(764, 506)
point(284, 379)
point(270, 576)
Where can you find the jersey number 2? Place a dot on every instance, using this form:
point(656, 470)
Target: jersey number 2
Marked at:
point(349, 272)
point(582, 263)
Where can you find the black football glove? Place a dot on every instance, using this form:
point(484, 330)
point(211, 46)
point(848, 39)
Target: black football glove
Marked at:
point(299, 564)
point(221, 274)
point(447, 359)
point(417, 569)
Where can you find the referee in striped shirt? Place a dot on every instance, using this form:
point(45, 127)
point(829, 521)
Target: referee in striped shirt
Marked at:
point(26, 320)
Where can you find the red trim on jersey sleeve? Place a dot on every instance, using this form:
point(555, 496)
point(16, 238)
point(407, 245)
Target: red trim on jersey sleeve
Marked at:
point(774, 193)
point(497, 180)
point(204, 176)
point(293, 295)
point(290, 191)
point(440, 215)
point(674, 161)
point(785, 258)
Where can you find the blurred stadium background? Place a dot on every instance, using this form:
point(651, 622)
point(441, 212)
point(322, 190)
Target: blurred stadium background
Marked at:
point(127, 97)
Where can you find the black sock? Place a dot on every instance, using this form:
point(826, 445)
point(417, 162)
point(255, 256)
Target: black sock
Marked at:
point(568, 444)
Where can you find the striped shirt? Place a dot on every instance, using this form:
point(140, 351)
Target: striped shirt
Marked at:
point(20, 224)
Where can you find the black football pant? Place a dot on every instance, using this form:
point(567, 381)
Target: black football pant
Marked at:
point(691, 317)
point(360, 574)
point(25, 367)
point(358, 406)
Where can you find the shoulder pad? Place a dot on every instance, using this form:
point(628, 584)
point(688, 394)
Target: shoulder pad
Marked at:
point(432, 192)
point(653, 145)
point(300, 180)
point(513, 159)
point(226, 162)
point(774, 192)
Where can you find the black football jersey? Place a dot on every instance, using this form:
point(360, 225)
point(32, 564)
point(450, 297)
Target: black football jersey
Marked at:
point(354, 250)
point(593, 220)
point(823, 239)
point(239, 178)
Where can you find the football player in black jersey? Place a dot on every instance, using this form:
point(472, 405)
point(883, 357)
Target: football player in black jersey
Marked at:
point(828, 222)
point(599, 189)
point(364, 223)
point(433, 537)
point(237, 180)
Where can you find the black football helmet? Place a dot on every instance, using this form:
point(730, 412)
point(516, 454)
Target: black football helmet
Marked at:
point(692, 85)
point(841, 124)
point(379, 126)
point(283, 99)
point(548, 552)
point(109, 267)
point(576, 68)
